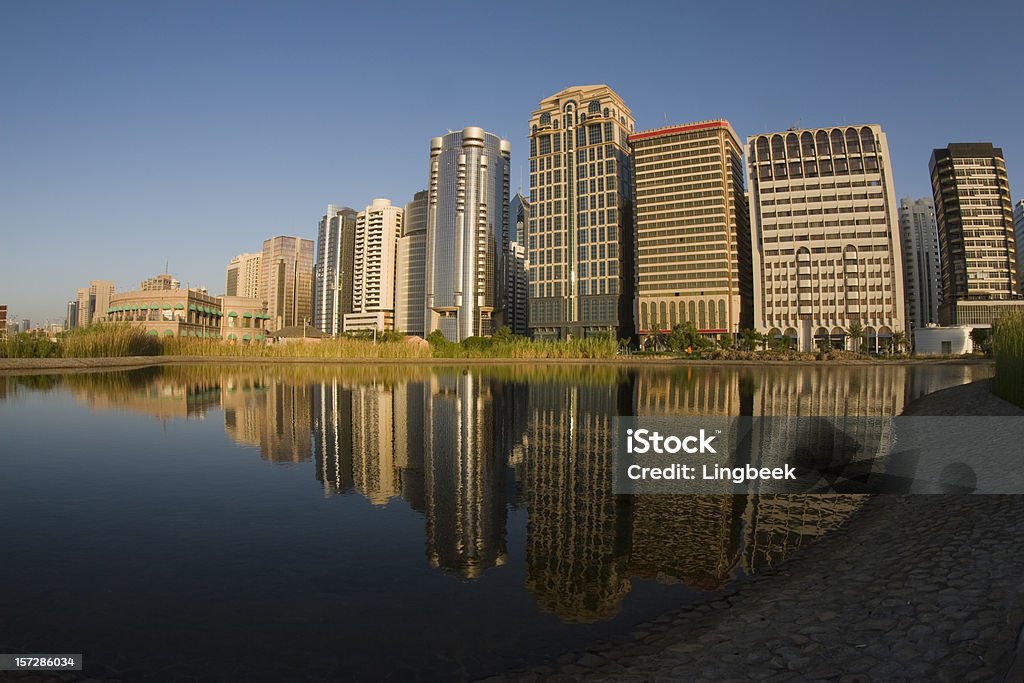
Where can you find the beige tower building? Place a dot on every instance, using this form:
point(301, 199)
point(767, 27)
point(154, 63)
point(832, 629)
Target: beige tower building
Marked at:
point(243, 276)
point(825, 234)
point(692, 228)
point(286, 280)
point(378, 228)
point(93, 302)
point(580, 235)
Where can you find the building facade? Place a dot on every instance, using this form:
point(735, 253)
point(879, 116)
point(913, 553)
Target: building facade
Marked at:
point(243, 276)
point(3, 322)
point(579, 246)
point(332, 280)
point(93, 301)
point(410, 274)
point(691, 218)
point(378, 228)
point(1018, 236)
point(976, 242)
point(467, 217)
point(516, 278)
point(286, 280)
point(71, 315)
point(160, 283)
point(826, 251)
point(921, 272)
point(190, 313)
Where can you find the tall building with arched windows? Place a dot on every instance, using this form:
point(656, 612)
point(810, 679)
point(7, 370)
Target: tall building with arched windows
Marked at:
point(826, 255)
point(579, 243)
point(467, 228)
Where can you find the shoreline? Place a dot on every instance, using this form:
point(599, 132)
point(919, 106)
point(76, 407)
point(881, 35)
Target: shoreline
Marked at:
point(64, 365)
point(912, 587)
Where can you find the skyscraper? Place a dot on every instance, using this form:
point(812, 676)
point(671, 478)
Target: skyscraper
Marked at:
point(71, 316)
point(286, 280)
point(467, 216)
point(1018, 235)
point(824, 230)
point(976, 243)
point(411, 266)
point(93, 302)
point(243, 276)
point(332, 289)
point(920, 261)
point(691, 218)
point(378, 228)
point(516, 277)
point(580, 237)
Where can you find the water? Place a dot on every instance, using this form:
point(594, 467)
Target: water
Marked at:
point(295, 522)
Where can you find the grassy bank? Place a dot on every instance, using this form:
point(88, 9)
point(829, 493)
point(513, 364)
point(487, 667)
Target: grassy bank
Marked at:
point(1008, 344)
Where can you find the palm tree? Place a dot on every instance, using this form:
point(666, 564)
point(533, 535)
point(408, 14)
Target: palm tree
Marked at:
point(856, 333)
point(899, 340)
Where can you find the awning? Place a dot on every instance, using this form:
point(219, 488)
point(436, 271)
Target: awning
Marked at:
point(192, 307)
point(232, 314)
point(246, 337)
point(247, 315)
point(168, 333)
point(166, 307)
point(179, 306)
point(232, 337)
point(153, 307)
point(258, 337)
point(152, 333)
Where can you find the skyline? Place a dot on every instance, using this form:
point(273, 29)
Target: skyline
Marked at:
point(124, 148)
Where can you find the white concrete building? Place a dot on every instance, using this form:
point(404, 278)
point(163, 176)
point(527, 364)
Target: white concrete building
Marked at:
point(826, 250)
point(243, 276)
point(933, 340)
point(378, 228)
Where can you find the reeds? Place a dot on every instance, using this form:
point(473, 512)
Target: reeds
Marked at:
point(342, 348)
point(108, 341)
point(1008, 344)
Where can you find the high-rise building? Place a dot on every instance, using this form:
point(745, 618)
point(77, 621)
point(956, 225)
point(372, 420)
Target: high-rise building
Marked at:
point(160, 283)
point(411, 267)
point(921, 272)
point(516, 277)
point(825, 237)
point(976, 243)
point(71, 316)
point(93, 302)
point(1018, 236)
point(580, 238)
point(378, 228)
point(691, 220)
point(332, 288)
point(286, 280)
point(243, 276)
point(3, 321)
point(467, 219)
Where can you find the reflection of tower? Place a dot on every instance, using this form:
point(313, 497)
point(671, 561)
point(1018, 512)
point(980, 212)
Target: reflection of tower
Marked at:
point(464, 476)
point(777, 525)
point(332, 436)
point(244, 402)
point(691, 538)
point(409, 405)
point(578, 533)
point(373, 454)
point(288, 431)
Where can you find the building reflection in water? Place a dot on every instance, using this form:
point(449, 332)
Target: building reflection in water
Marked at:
point(463, 447)
point(577, 539)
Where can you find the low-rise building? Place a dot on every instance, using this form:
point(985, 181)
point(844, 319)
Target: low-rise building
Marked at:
point(190, 313)
point(933, 340)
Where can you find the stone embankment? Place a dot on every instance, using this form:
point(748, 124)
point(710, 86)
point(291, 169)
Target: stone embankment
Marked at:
point(916, 588)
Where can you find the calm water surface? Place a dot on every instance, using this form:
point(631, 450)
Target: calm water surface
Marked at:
point(293, 523)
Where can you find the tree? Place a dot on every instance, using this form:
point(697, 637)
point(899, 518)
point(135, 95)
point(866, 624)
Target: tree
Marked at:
point(857, 334)
point(751, 339)
point(898, 342)
point(684, 337)
point(982, 339)
point(725, 341)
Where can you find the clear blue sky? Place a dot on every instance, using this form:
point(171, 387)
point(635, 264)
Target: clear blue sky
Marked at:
point(137, 132)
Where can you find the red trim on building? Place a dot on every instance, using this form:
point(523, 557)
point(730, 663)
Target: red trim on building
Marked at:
point(678, 129)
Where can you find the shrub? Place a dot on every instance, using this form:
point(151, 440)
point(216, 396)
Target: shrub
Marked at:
point(1008, 345)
